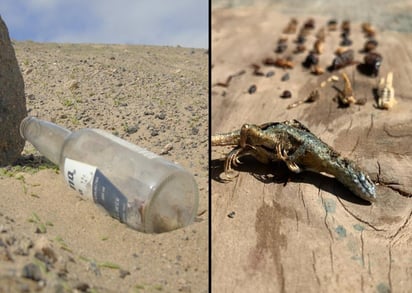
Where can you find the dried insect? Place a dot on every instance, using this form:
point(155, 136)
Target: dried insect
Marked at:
point(256, 70)
point(321, 34)
point(286, 94)
point(386, 92)
point(317, 70)
point(282, 45)
point(342, 60)
point(345, 27)
point(332, 25)
point(372, 64)
point(301, 39)
point(310, 60)
point(370, 45)
point(309, 24)
point(346, 42)
point(291, 27)
point(345, 97)
point(339, 51)
point(229, 78)
point(299, 49)
point(368, 29)
point(284, 63)
point(313, 96)
point(318, 46)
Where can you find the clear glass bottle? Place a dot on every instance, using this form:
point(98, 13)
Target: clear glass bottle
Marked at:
point(135, 186)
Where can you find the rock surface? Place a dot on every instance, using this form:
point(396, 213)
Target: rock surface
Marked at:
point(12, 101)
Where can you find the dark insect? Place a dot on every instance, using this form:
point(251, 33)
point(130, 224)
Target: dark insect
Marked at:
point(310, 60)
point(282, 45)
point(346, 27)
point(344, 59)
point(309, 24)
point(372, 64)
point(370, 45)
point(301, 39)
point(281, 48)
point(332, 25)
point(256, 70)
point(346, 42)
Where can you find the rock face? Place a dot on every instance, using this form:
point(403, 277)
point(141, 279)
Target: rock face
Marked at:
point(12, 100)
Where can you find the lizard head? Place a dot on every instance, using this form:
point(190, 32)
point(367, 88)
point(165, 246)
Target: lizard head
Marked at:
point(363, 186)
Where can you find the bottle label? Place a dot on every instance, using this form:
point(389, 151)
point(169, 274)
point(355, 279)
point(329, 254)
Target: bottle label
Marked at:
point(90, 182)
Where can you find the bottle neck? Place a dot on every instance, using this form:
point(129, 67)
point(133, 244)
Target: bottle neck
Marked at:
point(48, 138)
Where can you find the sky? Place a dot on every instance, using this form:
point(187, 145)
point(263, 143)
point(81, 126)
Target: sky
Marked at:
point(145, 22)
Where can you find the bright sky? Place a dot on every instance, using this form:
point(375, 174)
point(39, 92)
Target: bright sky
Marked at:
point(145, 22)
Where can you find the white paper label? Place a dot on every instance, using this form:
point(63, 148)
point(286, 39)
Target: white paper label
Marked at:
point(79, 176)
point(92, 184)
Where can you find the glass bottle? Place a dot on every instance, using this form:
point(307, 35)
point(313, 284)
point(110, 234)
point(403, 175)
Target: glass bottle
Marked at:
point(135, 186)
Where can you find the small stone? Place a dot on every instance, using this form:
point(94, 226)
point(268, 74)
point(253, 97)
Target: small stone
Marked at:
point(161, 116)
point(167, 148)
point(123, 273)
point(73, 85)
point(132, 129)
point(231, 214)
point(154, 132)
point(195, 130)
point(252, 89)
point(31, 271)
point(270, 73)
point(82, 287)
point(285, 77)
point(286, 94)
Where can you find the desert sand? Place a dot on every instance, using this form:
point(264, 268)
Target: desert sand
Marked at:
point(51, 239)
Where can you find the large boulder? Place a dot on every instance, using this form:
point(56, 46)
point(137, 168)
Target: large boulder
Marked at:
point(12, 100)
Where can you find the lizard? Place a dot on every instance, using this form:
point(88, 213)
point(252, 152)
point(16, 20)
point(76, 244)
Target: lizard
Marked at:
point(293, 143)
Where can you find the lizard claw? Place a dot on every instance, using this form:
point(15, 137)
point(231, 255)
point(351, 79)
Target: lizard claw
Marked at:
point(283, 155)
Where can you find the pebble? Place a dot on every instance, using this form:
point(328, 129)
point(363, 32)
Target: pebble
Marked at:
point(31, 271)
point(132, 129)
point(286, 94)
point(82, 287)
point(252, 89)
point(167, 148)
point(161, 116)
point(195, 130)
point(270, 73)
point(285, 77)
point(123, 273)
point(154, 132)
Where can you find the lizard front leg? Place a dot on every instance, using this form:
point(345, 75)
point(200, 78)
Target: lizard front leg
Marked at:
point(289, 160)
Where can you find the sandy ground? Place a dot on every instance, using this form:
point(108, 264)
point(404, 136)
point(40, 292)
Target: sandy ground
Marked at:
point(150, 96)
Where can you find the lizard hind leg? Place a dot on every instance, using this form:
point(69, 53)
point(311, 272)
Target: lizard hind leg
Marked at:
point(233, 159)
point(282, 154)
